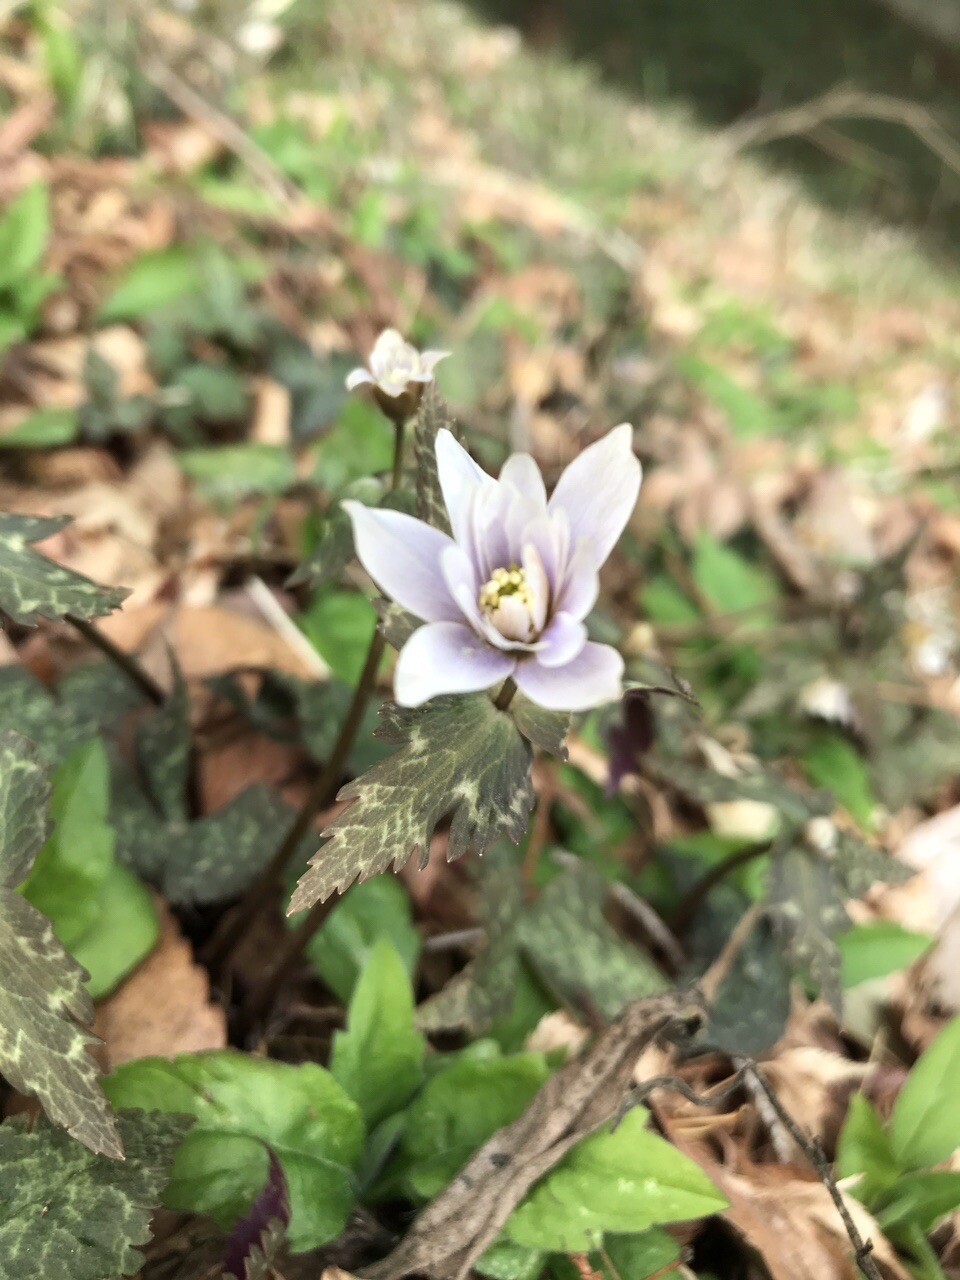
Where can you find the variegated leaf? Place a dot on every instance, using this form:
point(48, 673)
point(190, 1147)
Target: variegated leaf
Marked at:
point(33, 587)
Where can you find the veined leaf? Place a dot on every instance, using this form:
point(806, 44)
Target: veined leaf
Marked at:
point(43, 1005)
point(433, 415)
point(32, 587)
point(243, 1106)
point(66, 1214)
point(463, 758)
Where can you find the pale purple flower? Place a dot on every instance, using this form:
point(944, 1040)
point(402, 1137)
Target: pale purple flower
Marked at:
point(507, 594)
point(397, 372)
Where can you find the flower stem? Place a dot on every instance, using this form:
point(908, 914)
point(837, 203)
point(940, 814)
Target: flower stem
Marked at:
point(322, 793)
point(124, 662)
point(505, 696)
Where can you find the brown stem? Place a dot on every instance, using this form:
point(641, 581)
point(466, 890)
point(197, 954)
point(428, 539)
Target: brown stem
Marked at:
point(505, 696)
point(125, 662)
point(321, 794)
point(265, 992)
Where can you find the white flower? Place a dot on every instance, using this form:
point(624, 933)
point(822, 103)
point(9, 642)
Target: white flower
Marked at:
point(507, 594)
point(397, 372)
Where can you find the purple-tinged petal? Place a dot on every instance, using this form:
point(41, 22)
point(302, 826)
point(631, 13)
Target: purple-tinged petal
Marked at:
point(446, 657)
point(581, 585)
point(562, 641)
point(357, 378)
point(598, 491)
point(592, 678)
point(460, 478)
point(402, 556)
point(539, 585)
point(490, 515)
point(522, 473)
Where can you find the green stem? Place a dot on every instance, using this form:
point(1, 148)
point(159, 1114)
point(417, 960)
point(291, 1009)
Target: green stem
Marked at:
point(125, 662)
point(261, 895)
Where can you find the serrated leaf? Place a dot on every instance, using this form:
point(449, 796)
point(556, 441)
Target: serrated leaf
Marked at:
point(808, 914)
point(43, 1005)
point(378, 1060)
point(626, 1180)
point(547, 730)
point(66, 1214)
point(396, 624)
point(244, 1105)
point(575, 952)
point(434, 414)
point(33, 587)
point(462, 758)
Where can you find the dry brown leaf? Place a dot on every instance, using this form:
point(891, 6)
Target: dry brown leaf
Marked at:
point(163, 1007)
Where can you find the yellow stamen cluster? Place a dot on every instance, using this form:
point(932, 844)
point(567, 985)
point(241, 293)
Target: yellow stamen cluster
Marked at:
point(505, 582)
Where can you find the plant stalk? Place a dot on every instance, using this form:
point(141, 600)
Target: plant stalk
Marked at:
point(321, 794)
point(505, 696)
point(124, 662)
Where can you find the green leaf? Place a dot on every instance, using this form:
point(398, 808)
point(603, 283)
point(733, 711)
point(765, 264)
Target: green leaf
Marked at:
point(750, 1009)
point(91, 700)
point(43, 1005)
point(379, 1058)
point(864, 1151)
point(24, 232)
point(230, 472)
point(154, 280)
point(377, 909)
point(578, 956)
point(66, 1214)
point(637, 1256)
point(242, 1106)
point(747, 413)
point(33, 587)
point(434, 414)
point(733, 584)
point(100, 911)
point(458, 1110)
point(920, 1199)
point(42, 429)
point(834, 762)
point(340, 625)
point(463, 759)
point(505, 1260)
point(126, 930)
point(877, 949)
point(360, 445)
point(626, 1181)
point(925, 1123)
point(163, 751)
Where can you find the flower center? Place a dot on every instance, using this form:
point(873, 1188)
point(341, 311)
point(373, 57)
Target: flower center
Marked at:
point(507, 600)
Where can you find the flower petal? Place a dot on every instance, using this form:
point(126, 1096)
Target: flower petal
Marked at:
point(599, 490)
point(429, 361)
point(446, 657)
point(402, 556)
point(357, 378)
point(592, 678)
point(562, 640)
point(581, 584)
point(522, 473)
point(460, 478)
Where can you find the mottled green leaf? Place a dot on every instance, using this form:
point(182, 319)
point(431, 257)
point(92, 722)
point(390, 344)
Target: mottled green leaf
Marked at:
point(378, 1060)
point(750, 1009)
point(163, 751)
point(43, 1005)
point(547, 730)
point(808, 914)
point(243, 1105)
point(66, 1214)
point(859, 865)
point(462, 758)
point(576, 953)
point(33, 587)
point(434, 414)
point(87, 702)
point(625, 1180)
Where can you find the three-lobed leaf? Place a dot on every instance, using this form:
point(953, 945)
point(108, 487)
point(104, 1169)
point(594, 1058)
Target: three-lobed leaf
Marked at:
point(33, 587)
point(462, 759)
point(243, 1106)
point(44, 1007)
point(67, 1214)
